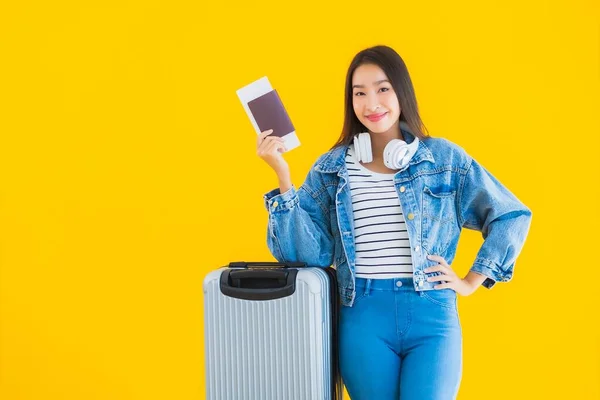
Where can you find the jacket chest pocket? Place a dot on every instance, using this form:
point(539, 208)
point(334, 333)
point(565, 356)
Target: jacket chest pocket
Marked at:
point(438, 220)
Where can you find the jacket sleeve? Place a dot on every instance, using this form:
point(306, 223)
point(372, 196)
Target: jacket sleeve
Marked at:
point(299, 226)
point(485, 205)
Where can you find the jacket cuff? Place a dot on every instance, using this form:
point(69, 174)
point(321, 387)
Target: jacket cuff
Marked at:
point(276, 201)
point(488, 269)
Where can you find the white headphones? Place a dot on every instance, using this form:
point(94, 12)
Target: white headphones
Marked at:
point(396, 154)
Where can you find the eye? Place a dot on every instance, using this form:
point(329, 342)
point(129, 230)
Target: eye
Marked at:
point(383, 88)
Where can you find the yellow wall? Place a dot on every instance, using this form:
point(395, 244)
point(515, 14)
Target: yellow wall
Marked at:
point(128, 171)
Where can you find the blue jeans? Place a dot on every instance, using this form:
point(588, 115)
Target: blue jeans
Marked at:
point(398, 343)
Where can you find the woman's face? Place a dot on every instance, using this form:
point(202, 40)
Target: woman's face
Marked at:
point(372, 95)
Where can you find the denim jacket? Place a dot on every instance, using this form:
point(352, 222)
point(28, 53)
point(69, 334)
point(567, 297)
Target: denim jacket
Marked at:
point(441, 190)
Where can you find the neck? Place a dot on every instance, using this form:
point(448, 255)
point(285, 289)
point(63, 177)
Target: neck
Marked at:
point(381, 139)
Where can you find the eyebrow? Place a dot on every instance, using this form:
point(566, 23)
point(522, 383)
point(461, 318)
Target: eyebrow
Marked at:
point(374, 83)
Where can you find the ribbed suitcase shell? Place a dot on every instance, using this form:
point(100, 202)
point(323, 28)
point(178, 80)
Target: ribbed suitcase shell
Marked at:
point(270, 349)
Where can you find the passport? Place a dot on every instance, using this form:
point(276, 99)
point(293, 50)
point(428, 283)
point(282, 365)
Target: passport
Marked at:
point(265, 111)
point(269, 113)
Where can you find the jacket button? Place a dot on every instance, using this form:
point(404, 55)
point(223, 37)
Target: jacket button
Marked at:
point(402, 189)
point(411, 216)
point(275, 204)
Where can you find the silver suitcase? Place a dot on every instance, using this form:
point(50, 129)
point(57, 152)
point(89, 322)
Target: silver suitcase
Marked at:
point(271, 332)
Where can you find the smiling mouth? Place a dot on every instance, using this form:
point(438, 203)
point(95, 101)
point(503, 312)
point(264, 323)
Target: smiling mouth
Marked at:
point(376, 117)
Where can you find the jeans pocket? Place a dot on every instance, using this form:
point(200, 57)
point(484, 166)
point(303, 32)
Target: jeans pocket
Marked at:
point(441, 297)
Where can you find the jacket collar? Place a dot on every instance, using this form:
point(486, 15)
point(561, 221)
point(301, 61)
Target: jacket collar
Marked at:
point(334, 159)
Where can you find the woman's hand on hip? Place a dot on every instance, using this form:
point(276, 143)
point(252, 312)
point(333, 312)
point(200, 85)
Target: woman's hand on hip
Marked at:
point(451, 280)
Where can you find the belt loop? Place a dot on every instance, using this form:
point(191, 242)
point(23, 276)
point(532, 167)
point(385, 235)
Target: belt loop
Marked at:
point(368, 286)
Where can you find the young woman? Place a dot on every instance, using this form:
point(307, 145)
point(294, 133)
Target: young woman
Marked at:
point(390, 223)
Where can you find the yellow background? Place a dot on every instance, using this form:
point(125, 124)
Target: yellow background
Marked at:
point(128, 171)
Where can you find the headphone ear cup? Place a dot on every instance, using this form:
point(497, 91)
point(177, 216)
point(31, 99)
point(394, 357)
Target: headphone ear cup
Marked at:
point(393, 153)
point(357, 148)
point(397, 153)
point(364, 147)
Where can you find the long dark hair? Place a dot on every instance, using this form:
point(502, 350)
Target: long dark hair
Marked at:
point(392, 64)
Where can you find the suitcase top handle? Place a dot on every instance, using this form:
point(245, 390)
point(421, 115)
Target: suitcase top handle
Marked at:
point(258, 284)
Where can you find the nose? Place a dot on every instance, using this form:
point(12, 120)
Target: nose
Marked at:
point(372, 103)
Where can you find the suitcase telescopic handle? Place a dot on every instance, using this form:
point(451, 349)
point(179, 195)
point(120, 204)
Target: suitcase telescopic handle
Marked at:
point(269, 264)
point(258, 284)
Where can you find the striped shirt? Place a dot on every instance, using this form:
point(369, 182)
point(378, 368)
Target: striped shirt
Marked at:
point(380, 234)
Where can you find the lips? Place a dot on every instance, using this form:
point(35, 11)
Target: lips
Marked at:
point(376, 117)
